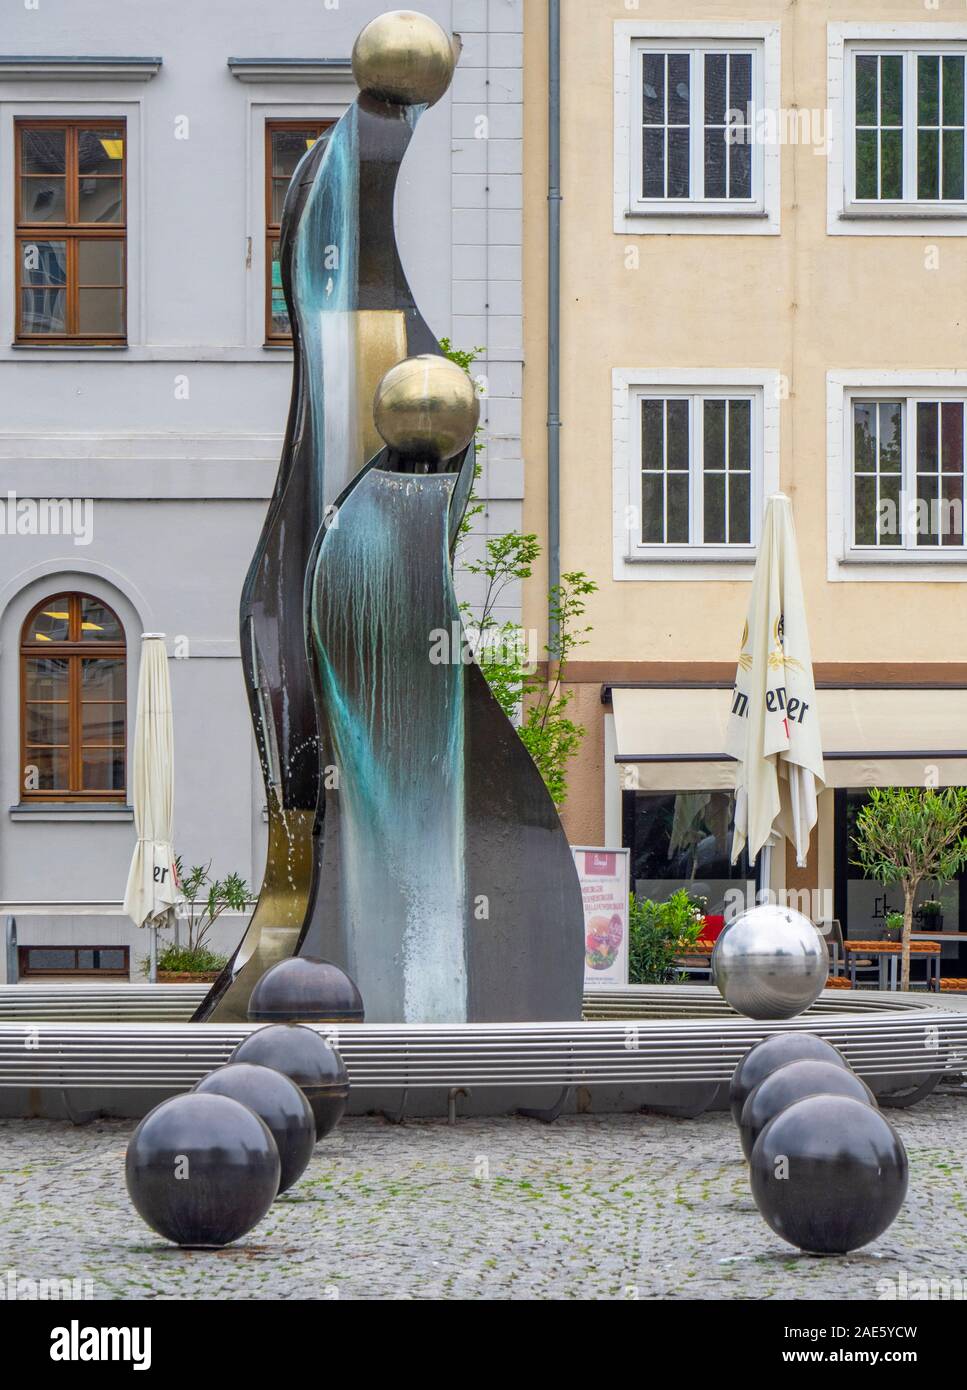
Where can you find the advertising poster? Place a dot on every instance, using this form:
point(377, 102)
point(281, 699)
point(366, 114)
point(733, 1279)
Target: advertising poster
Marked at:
point(604, 886)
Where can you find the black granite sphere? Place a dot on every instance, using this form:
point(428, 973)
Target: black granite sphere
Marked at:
point(304, 990)
point(829, 1174)
point(278, 1101)
point(795, 1081)
point(776, 1051)
point(202, 1170)
point(305, 1056)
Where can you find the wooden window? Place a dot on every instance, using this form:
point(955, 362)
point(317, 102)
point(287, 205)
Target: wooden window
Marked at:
point(73, 701)
point(112, 961)
point(285, 144)
point(70, 231)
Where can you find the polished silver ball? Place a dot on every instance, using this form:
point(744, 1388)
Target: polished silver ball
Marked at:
point(770, 963)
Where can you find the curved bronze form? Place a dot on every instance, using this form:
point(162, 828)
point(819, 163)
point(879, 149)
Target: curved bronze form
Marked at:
point(411, 838)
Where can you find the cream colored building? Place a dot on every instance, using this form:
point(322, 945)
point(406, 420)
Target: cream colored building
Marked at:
point(776, 299)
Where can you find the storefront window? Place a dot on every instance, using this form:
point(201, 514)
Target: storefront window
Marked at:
point(683, 840)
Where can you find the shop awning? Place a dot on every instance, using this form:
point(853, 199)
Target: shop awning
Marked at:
point(673, 739)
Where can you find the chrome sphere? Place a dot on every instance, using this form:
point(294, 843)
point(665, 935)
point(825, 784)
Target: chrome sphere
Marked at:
point(403, 57)
point(426, 408)
point(770, 963)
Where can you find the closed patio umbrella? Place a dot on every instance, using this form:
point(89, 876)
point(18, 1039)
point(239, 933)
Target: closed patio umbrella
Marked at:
point(153, 890)
point(774, 725)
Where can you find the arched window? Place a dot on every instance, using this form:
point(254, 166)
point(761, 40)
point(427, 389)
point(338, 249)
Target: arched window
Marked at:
point(73, 701)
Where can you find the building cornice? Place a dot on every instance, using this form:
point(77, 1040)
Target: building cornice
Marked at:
point(291, 69)
point(32, 67)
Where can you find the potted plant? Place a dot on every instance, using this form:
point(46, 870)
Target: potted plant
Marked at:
point(205, 899)
point(659, 933)
point(931, 915)
point(893, 926)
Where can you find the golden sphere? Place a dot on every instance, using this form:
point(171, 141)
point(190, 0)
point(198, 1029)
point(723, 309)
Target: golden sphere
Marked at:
point(403, 57)
point(426, 408)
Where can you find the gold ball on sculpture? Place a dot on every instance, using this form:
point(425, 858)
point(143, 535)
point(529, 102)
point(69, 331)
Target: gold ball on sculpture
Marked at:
point(426, 408)
point(403, 57)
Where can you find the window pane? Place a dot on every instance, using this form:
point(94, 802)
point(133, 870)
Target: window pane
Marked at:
point(98, 623)
point(43, 311)
point(927, 494)
point(100, 200)
point(678, 157)
point(866, 165)
point(677, 508)
point(716, 88)
point(653, 88)
point(46, 679)
point(102, 723)
point(864, 508)
point(111, 960)
point(713, 487)
point(102, 769)
point(928, 422)
point(678, 435)
point(42, 200)
point(928, 90)
point(740, 171)
point(102, 678)
point(740, 82)
point(47, 724)
point(280, 188)
point(890, 422)
point(100, 311)
point(100, 261)
point(888, 530)
point(42, 151)
point(891, 164)
point(928, 164)
point(866, 89)
point(952, 437)
point(46, 770)
point(864, 437)
point(52, 622)
point(739, 509)
point(652, 434)
point(288, 147)
point(280, 314)
point(653, 164)
point(679, 104)
point(891, 89)
point(952, 510)
point(716, 161)
point(43, 262)
point(100, 151)
point(953, 90)
point(652, 509)
point(953, 164)
point(714, 434)
point(740, 435)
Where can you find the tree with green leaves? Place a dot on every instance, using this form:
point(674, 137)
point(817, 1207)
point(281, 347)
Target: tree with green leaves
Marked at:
point(908, 836)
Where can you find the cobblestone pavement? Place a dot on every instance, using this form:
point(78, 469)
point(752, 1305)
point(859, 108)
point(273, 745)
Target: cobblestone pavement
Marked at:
point(589, 1207)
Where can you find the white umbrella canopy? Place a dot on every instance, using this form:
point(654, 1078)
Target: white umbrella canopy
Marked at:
point(774, 725)
point(153, 890)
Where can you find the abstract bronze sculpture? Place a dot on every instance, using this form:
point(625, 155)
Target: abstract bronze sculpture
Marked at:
point(411, 838)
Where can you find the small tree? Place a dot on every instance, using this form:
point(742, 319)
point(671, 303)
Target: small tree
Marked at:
point(906, 835)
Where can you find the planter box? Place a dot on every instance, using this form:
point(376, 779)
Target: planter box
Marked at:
point(187, 977)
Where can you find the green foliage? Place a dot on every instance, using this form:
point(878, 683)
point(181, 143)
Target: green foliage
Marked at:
point(180, 960)
point(894, 925)
point(908, 835)
point(659, 932)
point(206, 898)
point(537, 705)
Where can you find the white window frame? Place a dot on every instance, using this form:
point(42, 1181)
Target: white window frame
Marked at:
point(636, 561)
point(845, 559)
point(636, 215)
point(846, 215)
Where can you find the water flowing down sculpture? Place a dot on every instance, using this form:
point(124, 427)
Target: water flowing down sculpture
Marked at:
point(411, 838)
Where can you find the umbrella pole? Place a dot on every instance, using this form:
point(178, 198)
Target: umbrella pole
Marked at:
point(765, 874)
point(153, 971)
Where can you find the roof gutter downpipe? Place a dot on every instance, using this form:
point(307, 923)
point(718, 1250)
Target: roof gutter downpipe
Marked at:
point(553, 311)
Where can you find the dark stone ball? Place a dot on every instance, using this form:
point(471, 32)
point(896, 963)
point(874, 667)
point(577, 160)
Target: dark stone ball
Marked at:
point(304, 990)
point(829, 1174)
point(202, 1170)
point(795, 1081)
point(305, 1056)
point(776, 1051)
point(278, 1101)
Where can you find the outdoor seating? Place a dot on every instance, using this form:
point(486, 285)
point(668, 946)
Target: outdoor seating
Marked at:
point(887, 954)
